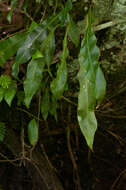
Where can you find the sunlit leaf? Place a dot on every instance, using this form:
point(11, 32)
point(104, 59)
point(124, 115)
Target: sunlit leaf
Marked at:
point(37, 55)
point(33, 79)
point(33, 132)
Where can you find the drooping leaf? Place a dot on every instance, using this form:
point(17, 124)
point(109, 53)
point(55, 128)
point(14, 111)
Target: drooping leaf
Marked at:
point(64, 16)
point(74, 33)
point(88, 59)
point(2, 131)
point(45, 105)
point(33, 79)
point(28, 48)
point(59, 83)
point(33, 132)
point(100, 85)
point(89, 124)
point(48, 48)
point(10, 46)
point(10, 93)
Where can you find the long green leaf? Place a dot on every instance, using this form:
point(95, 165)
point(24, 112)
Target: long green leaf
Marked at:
point(33, 132)
point(33, 79)
point(10, 46)
point(58, 84)
point(88, 59)
point(48, 48)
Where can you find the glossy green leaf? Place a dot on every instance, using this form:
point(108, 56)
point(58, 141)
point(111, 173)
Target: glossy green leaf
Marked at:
point(10, 46)
point(2, 131)
point(33, 132)
point(100, 85)
point(45, 105)
point(89, 124)
point(59, 83)
point(48, 48)
point(74, 33)
point(28, 48)
point(33, 79)
point(10, 93)
point(88, 59)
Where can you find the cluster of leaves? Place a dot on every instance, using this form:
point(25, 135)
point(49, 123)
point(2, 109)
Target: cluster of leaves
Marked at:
point(36, 48)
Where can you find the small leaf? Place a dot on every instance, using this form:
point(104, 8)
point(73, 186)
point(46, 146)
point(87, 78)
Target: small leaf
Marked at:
point(33, 132)
point(2, 131)
point(37, 55)
point(33, 79)
point(45, 105)
point(100, 85)
point(74, 33)
point(59, 83)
